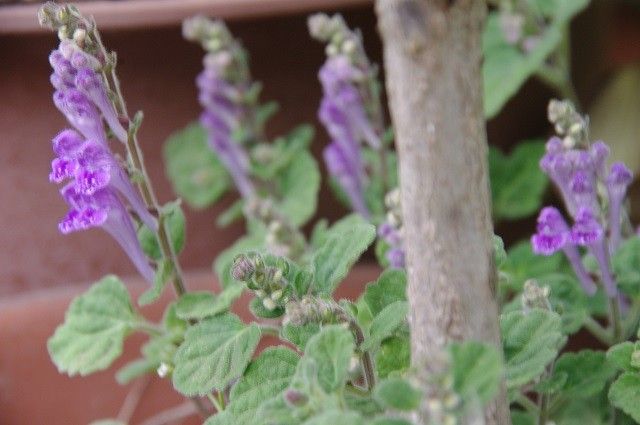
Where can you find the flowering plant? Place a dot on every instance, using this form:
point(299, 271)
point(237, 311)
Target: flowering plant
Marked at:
point(341, 361)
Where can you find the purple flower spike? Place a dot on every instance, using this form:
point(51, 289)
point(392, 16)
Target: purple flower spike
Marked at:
point(617, 183)
point(346, 173)
point(91, 85)
point(81, 113)
point(552, 232)
point(104, 209)
point(62, 67)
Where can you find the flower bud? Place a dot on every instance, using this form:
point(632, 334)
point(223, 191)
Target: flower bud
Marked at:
point(242, 268)
point(295, 398)
point(276, 295)
point(164, 370)
point(269, 304)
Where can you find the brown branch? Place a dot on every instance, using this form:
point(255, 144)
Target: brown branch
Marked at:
point(432, 52)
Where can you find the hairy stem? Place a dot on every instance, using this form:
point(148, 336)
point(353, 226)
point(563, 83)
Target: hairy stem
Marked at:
point(596, 329)
point(614, 319)
point(134, 154)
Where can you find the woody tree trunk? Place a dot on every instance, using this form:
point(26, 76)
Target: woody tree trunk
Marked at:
point(432, 55)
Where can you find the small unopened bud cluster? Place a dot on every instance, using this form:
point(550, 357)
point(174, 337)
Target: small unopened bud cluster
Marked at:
point(519, 26)
point(295, 398)
point(67, 21)
point(282, 239)
point(535, 296)
point(268, 282)
point(312, 310)
point(568, 123)
point(213, 35)
point(334, 31)
point(391, 230)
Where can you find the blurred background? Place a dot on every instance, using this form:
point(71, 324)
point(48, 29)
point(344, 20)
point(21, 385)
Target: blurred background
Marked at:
point(157, 69)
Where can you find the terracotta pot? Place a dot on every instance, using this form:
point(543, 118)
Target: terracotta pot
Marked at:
point(33, 392)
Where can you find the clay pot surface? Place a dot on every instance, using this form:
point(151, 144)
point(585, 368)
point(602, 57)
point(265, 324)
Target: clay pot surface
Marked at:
point(33, 392)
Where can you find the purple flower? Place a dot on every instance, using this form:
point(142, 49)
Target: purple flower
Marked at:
point(552, 232)
point(104, 209)
point(341, 166)
point(221, 116)
point(81, 113)
point(617, 182)
point(92, 86)
point(586, 230)
point(396, 258)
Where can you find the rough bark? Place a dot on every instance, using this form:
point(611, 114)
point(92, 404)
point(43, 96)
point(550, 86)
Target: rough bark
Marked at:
point(432, 55)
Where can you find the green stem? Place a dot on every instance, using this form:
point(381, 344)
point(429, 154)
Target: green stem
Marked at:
point(527, 403)
point(216, 403)
point(357, 391)
point(134, 154)
point(596, 329)
point(615, 322)
point(148, 327)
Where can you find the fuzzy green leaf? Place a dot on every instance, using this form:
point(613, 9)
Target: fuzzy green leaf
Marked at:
point(341, 250)
point(625, 393)
point(160, 279)
point(385, 323)
point(397, 393)
point(394, 355)
point(619, 356)
point(175, 224)
point(195, 171)
point(336, 417)
point(135, 369)
point(331, 350)
point(95, 327)
point(506, 67)
point(299, 335)
point(299, 184)
point(266, 377)
point(477, 370)
point(517, 184)
point(389, 288)
point(214, 352)
point(530, 341)
point(587, 373)
point(626, 267)
point(198, 305)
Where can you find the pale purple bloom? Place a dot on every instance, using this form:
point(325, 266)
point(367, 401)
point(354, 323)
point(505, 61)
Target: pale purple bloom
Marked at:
point(395, 254)
point(81, 113)
point(343, 114)
point(104, 209)
point(221, 116)
point(341, 167)
point(92, 86)
point(553, 234)
point(618, 181)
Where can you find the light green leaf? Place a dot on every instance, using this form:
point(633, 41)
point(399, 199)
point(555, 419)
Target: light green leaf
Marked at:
point(336, 417)
point(221, 418)
point(194, 170)
point(394, 355)
point(530, 341)
point(266, 377)
point(397, 393)
point(299, 335)
point(198, 305)
point(506, 68)
point(299, 184)
point(517, 184)
point(175, 224)
point(390, 421)
point(625, 393)
point(619, 356)
point(390, 287)
point(95, 327)
point(107, 422)
point(587, 373)
point(522, 264)
point(331, 350)
point(160, 279)
point(385, 323)
point(626, 268)
point(340, 251)
point(135, 369)
point(477, 371)
point(214, 352)
point(233, 213)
